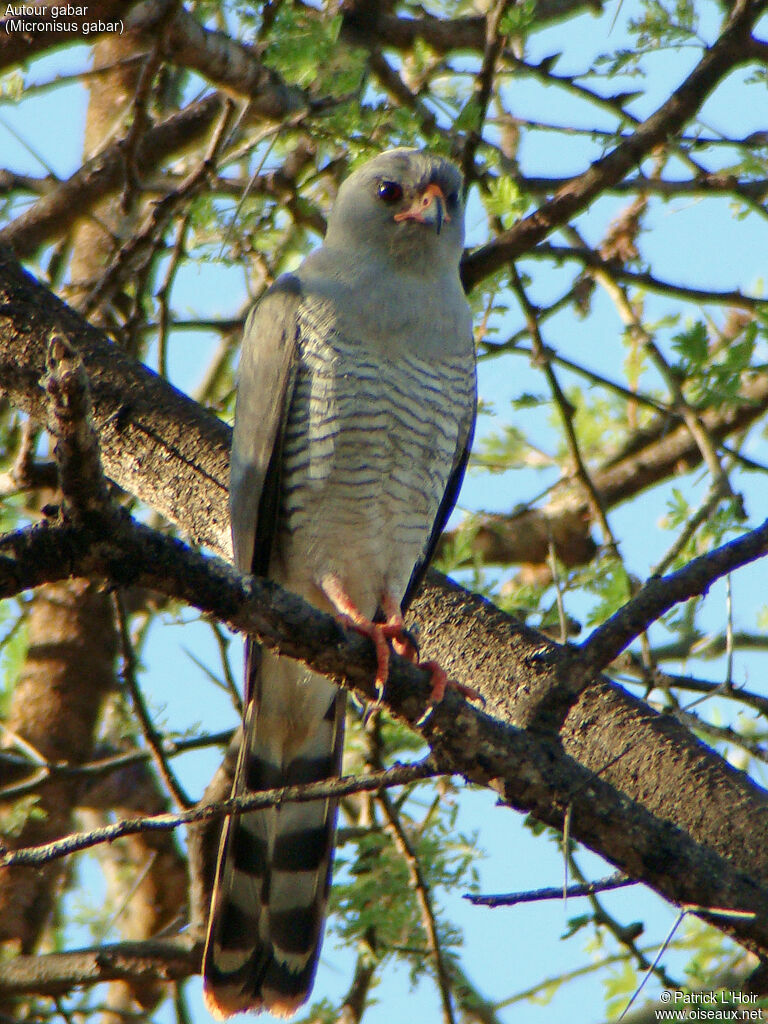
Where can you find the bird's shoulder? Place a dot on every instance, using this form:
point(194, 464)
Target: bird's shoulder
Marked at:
point(279, 302)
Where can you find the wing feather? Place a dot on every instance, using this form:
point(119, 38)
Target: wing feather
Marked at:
point(266, 379)
point(450, 495)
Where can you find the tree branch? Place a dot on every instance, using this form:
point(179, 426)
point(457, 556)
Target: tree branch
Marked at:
point(727, 52)
point(651, 455)
point(662, 593)
point(77, 841)
point(178, 450)
point(58, 973)
point(554, 892)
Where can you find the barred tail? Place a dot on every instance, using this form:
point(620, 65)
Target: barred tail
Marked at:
point(273, 873)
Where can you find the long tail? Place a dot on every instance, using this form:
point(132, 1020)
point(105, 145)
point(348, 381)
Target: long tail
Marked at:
point(274, 866)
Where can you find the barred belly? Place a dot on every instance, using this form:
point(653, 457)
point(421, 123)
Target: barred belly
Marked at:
point(368, 450)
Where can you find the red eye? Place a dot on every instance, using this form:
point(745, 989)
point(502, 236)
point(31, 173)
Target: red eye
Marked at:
point(390, 191)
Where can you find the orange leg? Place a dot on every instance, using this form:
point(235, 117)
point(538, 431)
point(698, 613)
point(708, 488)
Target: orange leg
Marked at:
point(351, 616)
point(403, 644)
point(382, 632)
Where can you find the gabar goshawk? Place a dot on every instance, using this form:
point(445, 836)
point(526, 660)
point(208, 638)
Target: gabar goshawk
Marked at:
point(355, 412)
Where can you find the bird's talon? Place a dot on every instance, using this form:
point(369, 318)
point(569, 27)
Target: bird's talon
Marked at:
point(439, 679)
point(441, 683)
point(468, 692)
point(406, 646)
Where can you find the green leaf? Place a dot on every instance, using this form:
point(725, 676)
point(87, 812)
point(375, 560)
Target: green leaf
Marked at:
point(469, 117)
point(505, 200)
point(619, 986)
point(610, 582)
point(692, 346)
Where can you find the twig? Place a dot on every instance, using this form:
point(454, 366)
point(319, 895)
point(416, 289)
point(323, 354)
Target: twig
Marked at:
point(423, 894)
point(699, 517)
point(399, 91)
point(141, 120)
point(728, 682)
point(728, 51)
point(231, 686)
point(396, 776)
point(25, 473)
point(354, 1002)
point(566, 411)
point(644, 280)
point(483, 88)
point(137, 253)
point(151, 736)
point(680, 406)
point(558, 584)
point(92, 770)
point(554, 892)
point(660, 594)
point(164, 291)
point(721, 734)
point(584, 371)
point(55, 212)
point(624, 935)
point(665, 680)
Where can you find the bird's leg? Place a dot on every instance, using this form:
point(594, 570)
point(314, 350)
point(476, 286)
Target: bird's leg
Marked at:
point(380, 633)
point(396, 631)
point(404, 645)
point(392, 629)
point(351, 616)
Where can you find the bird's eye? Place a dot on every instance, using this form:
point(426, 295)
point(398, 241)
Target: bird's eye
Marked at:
point(390, 191)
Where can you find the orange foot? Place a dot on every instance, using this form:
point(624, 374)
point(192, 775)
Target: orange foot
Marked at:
point(404, 645)
point(393, 629)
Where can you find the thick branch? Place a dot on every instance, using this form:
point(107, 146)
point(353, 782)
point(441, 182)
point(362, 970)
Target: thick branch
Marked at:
point(179, 453)
point(658, 451)
point(104, 174)
point(224, 61)
point(370, 24)
point(178, 461)
point(55, 212)
point(58, 973)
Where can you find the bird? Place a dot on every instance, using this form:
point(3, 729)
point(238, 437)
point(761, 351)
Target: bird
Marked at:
point(354, 418)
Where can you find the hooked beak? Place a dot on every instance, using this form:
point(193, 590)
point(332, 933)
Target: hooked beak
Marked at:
point(427, 208)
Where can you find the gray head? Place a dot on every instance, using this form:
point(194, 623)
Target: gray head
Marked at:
point(406, 202)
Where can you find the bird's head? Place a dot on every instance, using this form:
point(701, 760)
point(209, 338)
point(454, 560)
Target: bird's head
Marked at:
point(404, 202)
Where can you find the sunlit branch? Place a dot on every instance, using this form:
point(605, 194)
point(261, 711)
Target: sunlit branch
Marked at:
point(660, 594)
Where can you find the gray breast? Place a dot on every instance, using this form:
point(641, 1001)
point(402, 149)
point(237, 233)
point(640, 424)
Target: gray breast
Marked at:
point(368, 450)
